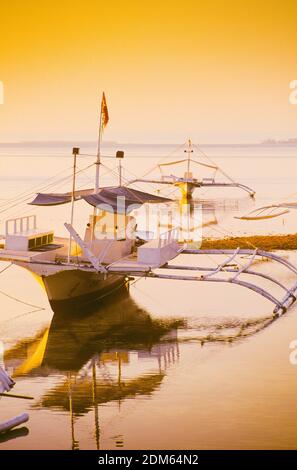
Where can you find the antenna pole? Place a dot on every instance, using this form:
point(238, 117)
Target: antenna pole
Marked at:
point(189, 150)
point(120, 172)
point(119, 156)
point(75, 152)
point(189, 155)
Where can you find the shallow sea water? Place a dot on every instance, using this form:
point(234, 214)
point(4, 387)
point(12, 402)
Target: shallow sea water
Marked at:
point(165, 364)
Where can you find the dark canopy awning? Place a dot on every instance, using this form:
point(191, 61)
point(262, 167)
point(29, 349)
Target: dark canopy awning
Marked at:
point(118, 199)
point(121, 199)
point(55, 199)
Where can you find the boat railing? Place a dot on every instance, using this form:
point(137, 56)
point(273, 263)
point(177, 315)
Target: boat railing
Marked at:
point(105, 251)
point(168, 178)
point(168, 237)
point(20, 224)
point(208, 180)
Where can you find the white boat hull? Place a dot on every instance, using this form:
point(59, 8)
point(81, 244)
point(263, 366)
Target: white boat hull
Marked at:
point(74, 288)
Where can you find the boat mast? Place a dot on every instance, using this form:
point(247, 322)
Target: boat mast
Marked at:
point(75, 152)
point(97, 163)
point(102, 124)
point(189, 151)
point(98, 155)
point(104, 118)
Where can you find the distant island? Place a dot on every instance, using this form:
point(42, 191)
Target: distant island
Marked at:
point(292, 141)
point(68, 144)
point(55, 143)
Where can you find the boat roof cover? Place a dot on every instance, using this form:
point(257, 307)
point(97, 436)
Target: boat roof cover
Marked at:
point(55, 199)
point(118, 199)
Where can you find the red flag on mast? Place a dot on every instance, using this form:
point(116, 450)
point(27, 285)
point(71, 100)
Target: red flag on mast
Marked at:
point(104, 113)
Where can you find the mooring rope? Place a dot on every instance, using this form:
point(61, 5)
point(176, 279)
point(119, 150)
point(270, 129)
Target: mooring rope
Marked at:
point(16, 202)
point(20, 300)
point(21, 315)
point(36, 308)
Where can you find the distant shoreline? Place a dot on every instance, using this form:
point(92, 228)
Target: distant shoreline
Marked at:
point(66, 143)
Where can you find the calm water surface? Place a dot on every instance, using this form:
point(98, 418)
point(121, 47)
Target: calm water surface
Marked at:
point(165, 364)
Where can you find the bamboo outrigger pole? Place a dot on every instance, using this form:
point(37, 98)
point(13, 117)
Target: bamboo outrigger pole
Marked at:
point(13, 395)
point(12, 423)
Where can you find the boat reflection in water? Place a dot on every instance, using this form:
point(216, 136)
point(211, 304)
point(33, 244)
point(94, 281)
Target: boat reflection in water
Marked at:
point(118, 352)
point(198, 218)
point(115, 353)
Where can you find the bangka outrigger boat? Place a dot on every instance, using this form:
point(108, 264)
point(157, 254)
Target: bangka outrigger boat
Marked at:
point(74, 280)
point(77, 275)
point(188, 182)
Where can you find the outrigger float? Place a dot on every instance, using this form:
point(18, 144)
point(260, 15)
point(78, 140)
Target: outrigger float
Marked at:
point(78, 281)
point(188, 183)
point(269, 212)
point(6, 384)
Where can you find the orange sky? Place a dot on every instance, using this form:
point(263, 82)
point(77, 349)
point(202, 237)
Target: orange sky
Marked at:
point(217, 71)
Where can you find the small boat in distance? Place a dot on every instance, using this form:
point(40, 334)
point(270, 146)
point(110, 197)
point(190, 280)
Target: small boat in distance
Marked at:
point(188, 183)
point(270, 211)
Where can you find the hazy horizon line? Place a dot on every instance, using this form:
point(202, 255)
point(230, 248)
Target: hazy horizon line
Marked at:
point(89, 143)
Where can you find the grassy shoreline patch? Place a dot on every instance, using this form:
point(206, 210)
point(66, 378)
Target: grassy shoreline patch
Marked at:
point(263, 242)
